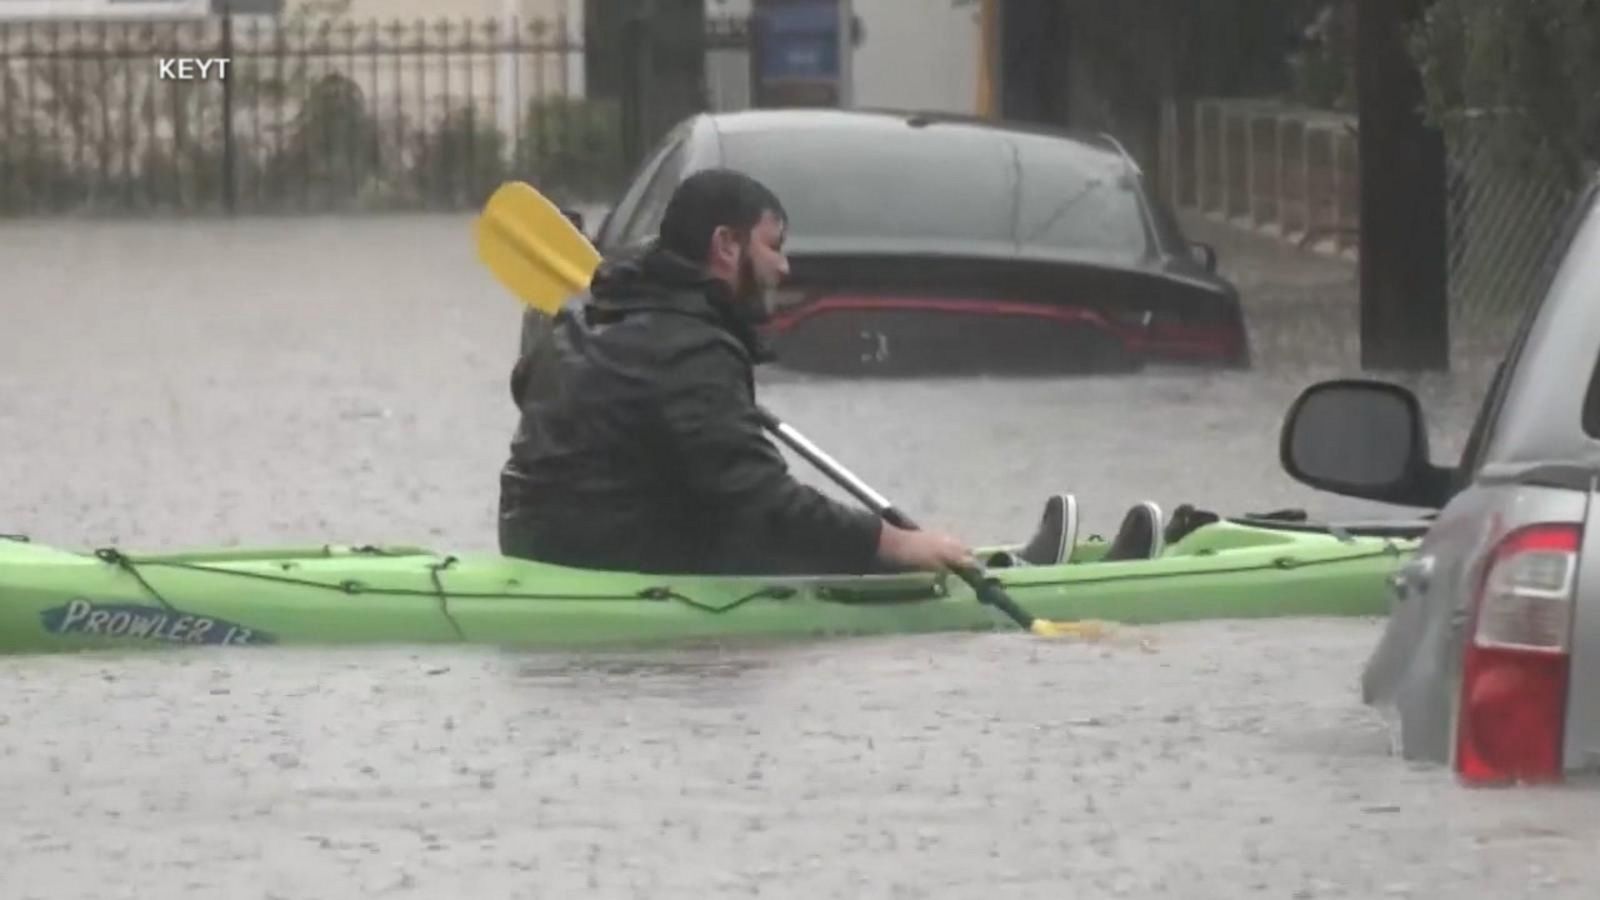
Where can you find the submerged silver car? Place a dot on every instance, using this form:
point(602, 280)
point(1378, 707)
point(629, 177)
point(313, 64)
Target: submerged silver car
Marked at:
point(1490, 661)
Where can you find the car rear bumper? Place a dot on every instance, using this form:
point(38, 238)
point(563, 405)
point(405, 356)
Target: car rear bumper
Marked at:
point(902, 320)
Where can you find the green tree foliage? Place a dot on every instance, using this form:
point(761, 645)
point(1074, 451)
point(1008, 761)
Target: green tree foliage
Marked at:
point(1523, 75)
point(572, 145)
point(460, 161)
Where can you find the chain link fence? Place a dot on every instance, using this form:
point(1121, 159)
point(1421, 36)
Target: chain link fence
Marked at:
point(1292, 173)
point(1506, 225)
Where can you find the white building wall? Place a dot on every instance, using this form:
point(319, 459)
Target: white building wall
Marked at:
point(917, 54)
point(550, 73)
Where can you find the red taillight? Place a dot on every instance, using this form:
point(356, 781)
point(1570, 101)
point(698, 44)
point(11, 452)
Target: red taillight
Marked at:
point(1514, 672)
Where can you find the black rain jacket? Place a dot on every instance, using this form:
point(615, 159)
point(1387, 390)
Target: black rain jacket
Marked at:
point(640, 447)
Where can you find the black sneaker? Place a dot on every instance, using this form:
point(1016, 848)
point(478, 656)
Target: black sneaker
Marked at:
point(1185, 520)
point(1052, 541)
point(1057, 534)
point(1140, 536)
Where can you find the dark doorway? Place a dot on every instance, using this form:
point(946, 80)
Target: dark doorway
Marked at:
point(649, 56)
point(1033, 61)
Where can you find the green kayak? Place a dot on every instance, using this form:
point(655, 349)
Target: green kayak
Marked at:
point(54, 600)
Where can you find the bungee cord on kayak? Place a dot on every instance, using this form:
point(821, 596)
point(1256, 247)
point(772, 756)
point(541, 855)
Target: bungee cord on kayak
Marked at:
point(355, 587)
point(441, 595)
point(120, 560)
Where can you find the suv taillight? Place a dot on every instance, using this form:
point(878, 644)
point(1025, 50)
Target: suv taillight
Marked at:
point(1514, 672)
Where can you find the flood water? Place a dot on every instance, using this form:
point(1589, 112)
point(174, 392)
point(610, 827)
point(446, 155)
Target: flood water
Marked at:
point(344, 380)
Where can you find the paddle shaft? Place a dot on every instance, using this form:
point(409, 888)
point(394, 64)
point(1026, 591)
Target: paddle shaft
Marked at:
point(845, 478)
point(987, 591)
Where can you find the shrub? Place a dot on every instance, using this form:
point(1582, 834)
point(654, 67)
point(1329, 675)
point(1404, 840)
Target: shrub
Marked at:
point(331, 152)
point(1532, 66)
point(459, 162)
point(571, 147)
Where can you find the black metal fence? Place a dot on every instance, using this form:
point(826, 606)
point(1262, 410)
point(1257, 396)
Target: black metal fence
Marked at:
point(311, 116)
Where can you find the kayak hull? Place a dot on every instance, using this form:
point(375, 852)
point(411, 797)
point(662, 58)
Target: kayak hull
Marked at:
point(55, 600)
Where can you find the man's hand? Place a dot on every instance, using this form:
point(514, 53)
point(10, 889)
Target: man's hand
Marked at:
point(921, 551)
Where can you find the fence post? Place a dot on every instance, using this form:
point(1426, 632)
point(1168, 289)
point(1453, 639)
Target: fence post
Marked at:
point(1307, 197)
point(1336, 152)
point(1175, 165)
point(630, 89)
point(1279, 163)
point(228, 199)
point(1252, 166)
point(1225, 158)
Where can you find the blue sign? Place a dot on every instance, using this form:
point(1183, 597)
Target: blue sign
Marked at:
point(799, 40)
point(802, 59)
point(802, 16)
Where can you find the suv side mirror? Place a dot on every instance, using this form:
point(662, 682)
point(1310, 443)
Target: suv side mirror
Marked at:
point(1365, 439)
point(1204, 254)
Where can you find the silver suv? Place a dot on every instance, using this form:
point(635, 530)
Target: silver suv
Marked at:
point(1490, 660)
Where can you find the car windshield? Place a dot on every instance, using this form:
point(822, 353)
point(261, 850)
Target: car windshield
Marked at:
point(948, 189)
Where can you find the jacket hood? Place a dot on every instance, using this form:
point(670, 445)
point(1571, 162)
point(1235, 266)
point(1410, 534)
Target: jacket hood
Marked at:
point(659, 280)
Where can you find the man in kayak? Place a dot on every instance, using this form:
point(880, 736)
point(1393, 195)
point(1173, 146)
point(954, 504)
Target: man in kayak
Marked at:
point(640, 447)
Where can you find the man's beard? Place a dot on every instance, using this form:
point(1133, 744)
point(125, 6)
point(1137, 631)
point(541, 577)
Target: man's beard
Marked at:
point(753, 301)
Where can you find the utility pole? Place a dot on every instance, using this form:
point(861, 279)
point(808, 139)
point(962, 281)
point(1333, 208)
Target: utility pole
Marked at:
point(229, 165)
point(650, 57)
point(847, 54)
point(1405, 310)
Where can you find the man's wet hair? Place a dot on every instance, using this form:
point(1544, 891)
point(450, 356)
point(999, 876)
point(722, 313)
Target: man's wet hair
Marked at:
point(708, 200)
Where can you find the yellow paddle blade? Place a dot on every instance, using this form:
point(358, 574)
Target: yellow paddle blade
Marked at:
point(1088, 630)
point(532, 248)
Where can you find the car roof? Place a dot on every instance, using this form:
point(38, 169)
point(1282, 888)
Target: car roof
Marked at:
point(884, 122)
point(976, 146)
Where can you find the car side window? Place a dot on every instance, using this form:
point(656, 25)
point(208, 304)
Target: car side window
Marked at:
point(1494, 401)
point(1591, 405)
point(646, 217)
point(1477, 438)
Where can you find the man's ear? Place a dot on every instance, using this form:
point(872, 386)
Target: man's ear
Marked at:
point(725, 244)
